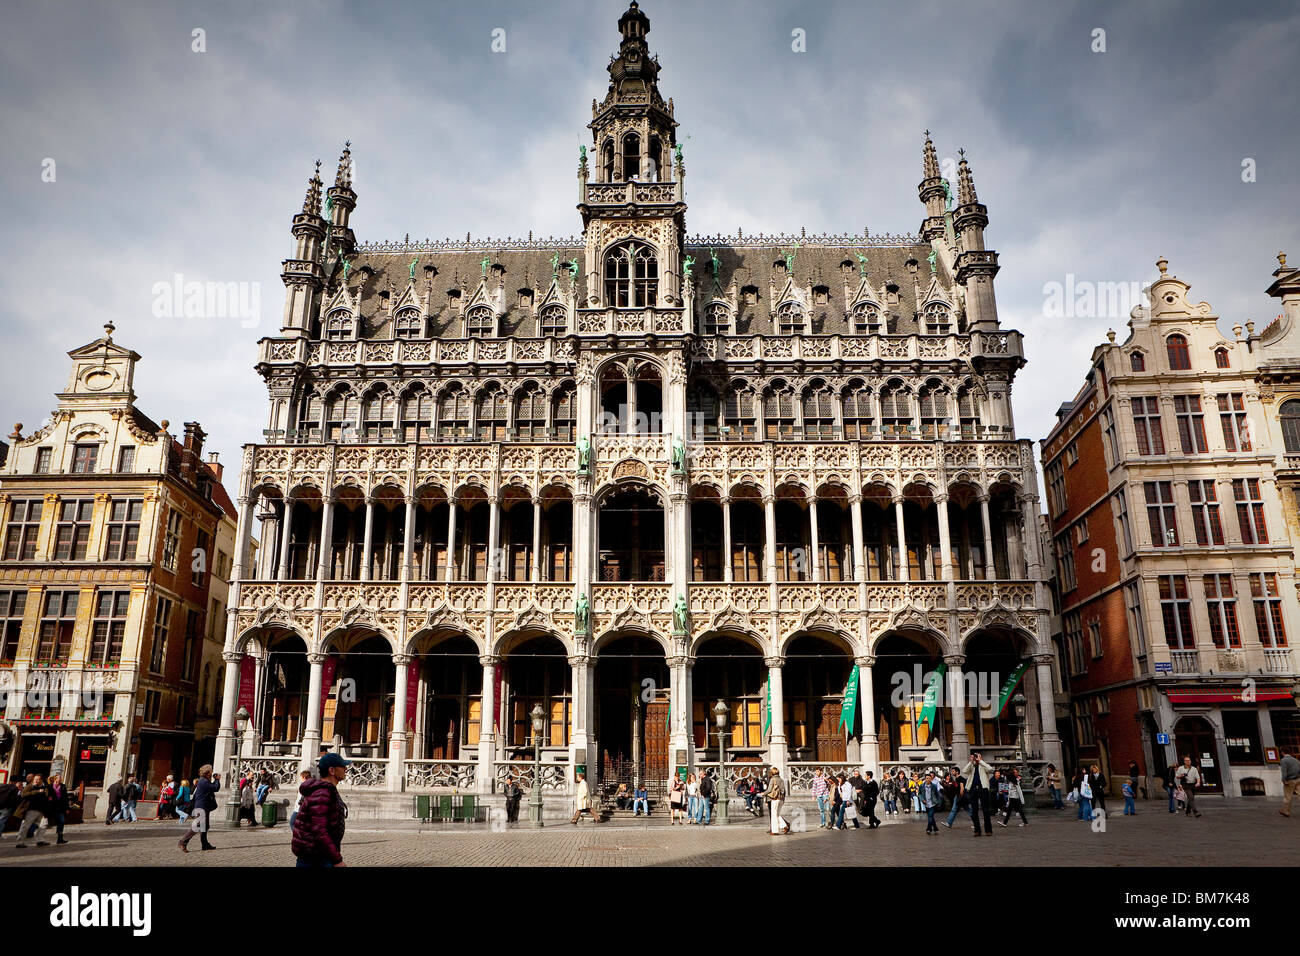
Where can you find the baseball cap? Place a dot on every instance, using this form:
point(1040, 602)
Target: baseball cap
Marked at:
point(331, 760)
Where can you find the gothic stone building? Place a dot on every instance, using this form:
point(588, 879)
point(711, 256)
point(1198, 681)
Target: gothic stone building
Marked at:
point(625, 476)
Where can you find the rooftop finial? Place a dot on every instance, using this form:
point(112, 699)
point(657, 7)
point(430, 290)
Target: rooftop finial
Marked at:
point(965, 181)
point(109, 328)
point(311, 204)
point(1281, 259)
point(1163, 265)
point(930, 158)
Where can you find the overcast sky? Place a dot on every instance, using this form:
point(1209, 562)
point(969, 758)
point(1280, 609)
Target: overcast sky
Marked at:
point(173, 162)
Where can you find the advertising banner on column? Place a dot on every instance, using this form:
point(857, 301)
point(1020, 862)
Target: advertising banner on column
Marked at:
point(328, 669)
point(247, 684)
point(412, 691)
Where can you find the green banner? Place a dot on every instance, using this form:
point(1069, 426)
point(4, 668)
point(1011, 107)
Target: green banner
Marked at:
point(767, 723)
point(1012, 680)
point(931, 701)
point(849, 709)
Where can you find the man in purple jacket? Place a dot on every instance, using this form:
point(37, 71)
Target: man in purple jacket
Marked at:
point(318, 829)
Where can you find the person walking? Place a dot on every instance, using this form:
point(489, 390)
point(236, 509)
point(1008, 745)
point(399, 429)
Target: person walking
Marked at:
point(31, 811)
point(977, 775)
point(303, 777)
point(204, 805)
point(1130, 810)
point(677, 800)
point(822, 794)
point(183, 795)
point(58, 802)
point(322, 818)
point(582, 800)
point(887, 793)
point(870, 794)
point(1053, 777)
point(775, 799)
point(849, 810)
point(1171, 787)
point(931, 796)
point(954, 790)
point(513, 794)
point(131, 794)
point(1189, 778)
point(1289, 768)
point(1015, 799)
point(116, 795)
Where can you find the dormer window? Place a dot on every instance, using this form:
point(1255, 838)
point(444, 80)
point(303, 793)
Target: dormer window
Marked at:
point(717, 319)
point(554, 320)
point(866, 319)
point(408, 324)
point(1179, 358)
point(821, 295)
point(750, 294)
point(938, 319)
point(84, 458)
point(339, 325)
point(789, 319)
point(1221, 358)
point(631, 276)
point(479, 322)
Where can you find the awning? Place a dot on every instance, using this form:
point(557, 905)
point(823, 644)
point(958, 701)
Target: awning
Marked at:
point(37, 724)
point(1223, 696)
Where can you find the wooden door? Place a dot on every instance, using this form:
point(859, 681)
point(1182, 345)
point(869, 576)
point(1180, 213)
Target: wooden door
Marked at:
point(654, 742)
point(444, 729)
point(1194, 738)
point(832, 744)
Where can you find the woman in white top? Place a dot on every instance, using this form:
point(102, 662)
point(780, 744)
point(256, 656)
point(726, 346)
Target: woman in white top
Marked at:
point(1015, 800)
point(850, 811)
point(693, 798)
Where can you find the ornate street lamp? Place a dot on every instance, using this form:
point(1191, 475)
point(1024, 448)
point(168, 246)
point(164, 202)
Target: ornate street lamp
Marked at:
point(232, 767)
point(1027, 793)
point(724, 790)
point(535, 798)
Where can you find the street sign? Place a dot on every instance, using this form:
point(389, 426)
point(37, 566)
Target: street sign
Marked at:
point(1164, 667)
point(1162, 738)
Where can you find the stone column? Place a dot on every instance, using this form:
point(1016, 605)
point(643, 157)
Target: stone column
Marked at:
point(990, 570)
point(397, 739)
point(408, 541)
point(680, 741)
point(582, 746)
point(243, 537)
point(583, 561)
point(227, 746)
point(727, 574)
point(494, 557)
point(451, 539)
point(904, 573)
point(957, 709)
point(535, 571)
point(859, 545)
point(814, 540)
point(326, 556)
point(776, 746)
point(286, 530)
point(484, 774)
point(945, 538)
point(365, 544)
point(1047, 710)
point(769, 548)
point(311, 735)
point(869, 743)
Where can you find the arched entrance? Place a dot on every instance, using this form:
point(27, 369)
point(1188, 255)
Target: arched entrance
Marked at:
point(904, 725)
point(282, 716)
point(632, 713)
point(358, 701)
point(729, 669)
point(1194, 737)
point(813, 682)
point(451, 694)
point(631, 536)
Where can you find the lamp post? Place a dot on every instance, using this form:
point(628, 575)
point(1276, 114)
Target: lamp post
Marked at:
point(724, 789)
point(1027, 794)
point(232, 767)
point(535, 798)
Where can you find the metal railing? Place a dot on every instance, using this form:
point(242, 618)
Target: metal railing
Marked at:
point(422, 774)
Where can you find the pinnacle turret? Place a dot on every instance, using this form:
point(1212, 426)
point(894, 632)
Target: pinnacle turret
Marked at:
point(344, 175)
point(311, 204)
point(965, 182)
point(931, 158)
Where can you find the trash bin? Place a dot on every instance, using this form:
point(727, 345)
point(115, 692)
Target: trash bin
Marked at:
point(422, 811)
point(269, 813)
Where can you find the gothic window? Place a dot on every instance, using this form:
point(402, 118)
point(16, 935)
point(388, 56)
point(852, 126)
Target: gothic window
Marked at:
point(656, 151)
point(717, 319)
point(379, 412)
point(937, 319)
point(554, 320)
point(866, 319)
point(417, 413)
point(339, 324)
point(564, 412)
point(479, 322)
point(779, 411)
point(702, 412)
point(607, 161)
point(819, 411)
point(859, 416)
point(738, 415)
point(453, 413)
point(1220, 358)
point(968, 412)
point(895, 409)
point(631, 156)
point(341, 417)
point(934, 409)
point(631, 276)
point(309, 412)
point(1290, 418)
point(789, 319)
point(408, 324)
point(1179, 358)
point(492, 414)
point(1137, 362)
point(530, 413)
